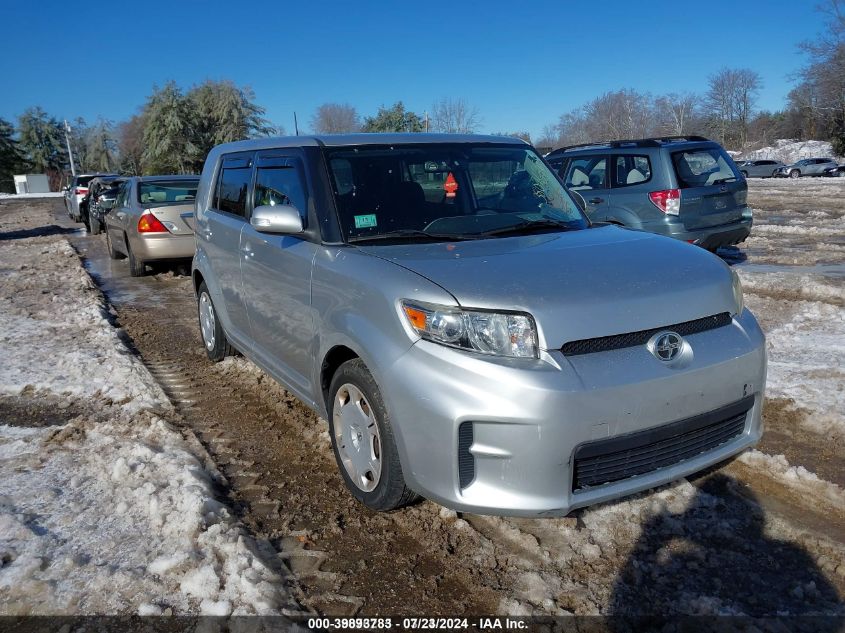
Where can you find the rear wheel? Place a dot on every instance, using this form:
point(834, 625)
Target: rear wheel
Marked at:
point(774, 173)
point(213, 338)
point(137, 267)
point(362, 439)
point(112, 253)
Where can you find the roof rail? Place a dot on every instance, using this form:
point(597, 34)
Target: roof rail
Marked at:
point(656, 141)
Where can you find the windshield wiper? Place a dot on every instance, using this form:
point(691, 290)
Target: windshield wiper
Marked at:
point(721, 181)
point(410, 234)
point(527, 227)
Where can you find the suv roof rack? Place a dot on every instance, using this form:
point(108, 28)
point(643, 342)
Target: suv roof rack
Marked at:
point(656, 141)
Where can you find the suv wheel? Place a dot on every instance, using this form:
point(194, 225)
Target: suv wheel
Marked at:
point(794, 173)
point(213, 339)
point(362, 439)
point(744, 174)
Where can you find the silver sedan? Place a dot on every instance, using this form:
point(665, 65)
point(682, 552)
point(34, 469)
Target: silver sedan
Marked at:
point(148, 222)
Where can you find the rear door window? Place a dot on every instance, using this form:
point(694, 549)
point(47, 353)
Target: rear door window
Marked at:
point(233, 185)
point(702, 167)
point(631, 170)
point(587, 172)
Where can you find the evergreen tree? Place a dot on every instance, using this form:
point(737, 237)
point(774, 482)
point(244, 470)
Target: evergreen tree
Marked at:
point(12, 160)
point(393, 119)
point(100, 147)
point(42, 141)
point(168, 133)
point(221, 113)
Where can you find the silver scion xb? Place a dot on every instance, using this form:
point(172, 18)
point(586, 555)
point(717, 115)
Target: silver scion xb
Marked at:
point(149, 221)
point(468, 334)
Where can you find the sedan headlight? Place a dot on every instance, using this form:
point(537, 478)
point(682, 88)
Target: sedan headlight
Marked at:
point(739, 300)
point(497, 333)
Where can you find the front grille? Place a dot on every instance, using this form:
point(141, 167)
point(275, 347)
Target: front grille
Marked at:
point(632, 339)
point(617, 458)
point(466, 460)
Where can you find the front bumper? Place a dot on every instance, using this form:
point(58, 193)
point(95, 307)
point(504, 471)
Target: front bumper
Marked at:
point(530, 416)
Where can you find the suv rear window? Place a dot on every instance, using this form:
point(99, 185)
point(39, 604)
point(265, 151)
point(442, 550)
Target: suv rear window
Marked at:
point(703, 166)
point(167, 191)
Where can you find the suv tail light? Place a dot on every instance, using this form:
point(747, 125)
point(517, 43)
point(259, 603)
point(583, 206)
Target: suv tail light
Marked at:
point(668, 200)
point(150, 224)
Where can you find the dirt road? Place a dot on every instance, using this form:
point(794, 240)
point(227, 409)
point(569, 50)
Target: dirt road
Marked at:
point(744, 538)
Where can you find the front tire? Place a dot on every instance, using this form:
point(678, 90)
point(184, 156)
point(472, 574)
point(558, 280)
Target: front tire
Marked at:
point(213, 338)
point(362, 439)
point(794, 174)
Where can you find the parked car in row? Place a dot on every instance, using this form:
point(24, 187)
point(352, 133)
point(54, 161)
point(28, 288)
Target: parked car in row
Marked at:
point(808, 167)
point(682, 187)
point(763, 168)
point(834, 172)
point(102, 192)
point(468, 334)
point(148, 221)
point(75, 192)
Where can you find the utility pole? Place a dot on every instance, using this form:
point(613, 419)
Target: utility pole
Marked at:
point(295, 124)
point(69, 150)
point(426, 121)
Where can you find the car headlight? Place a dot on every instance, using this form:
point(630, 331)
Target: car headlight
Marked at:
point(497, 333)
point(739, 300)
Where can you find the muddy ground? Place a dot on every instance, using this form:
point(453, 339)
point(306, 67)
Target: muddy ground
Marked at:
point(738, 539)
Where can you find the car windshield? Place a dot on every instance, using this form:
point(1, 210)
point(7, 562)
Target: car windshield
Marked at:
point(447, 191)
point(167, 191)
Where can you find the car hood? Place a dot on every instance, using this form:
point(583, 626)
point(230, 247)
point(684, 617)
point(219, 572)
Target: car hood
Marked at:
point(582, 284)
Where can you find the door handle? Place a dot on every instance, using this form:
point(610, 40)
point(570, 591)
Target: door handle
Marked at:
point(595, 200)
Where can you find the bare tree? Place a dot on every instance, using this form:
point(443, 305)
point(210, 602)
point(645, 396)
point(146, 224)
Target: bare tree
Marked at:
point(619, 115)
point(676, 112)
point(335, 118)
point(730, 103)
point(454, 116)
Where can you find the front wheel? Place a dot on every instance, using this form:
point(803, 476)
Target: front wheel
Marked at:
point(362, 439)
point(794, 174)
point(213, 339)
point(744, 174)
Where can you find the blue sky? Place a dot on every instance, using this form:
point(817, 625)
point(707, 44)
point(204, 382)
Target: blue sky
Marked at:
point(522, 64)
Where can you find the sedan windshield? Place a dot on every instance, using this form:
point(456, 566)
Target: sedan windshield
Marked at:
point(441, 192)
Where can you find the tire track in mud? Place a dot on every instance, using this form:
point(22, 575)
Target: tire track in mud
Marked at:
point(282, 482)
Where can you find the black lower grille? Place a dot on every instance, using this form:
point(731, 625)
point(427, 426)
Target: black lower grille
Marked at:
point(631, 339)
point(617, 458)
point(466, 460)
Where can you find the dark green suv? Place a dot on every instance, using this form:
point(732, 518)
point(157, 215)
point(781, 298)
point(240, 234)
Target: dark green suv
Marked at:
point(682, 187)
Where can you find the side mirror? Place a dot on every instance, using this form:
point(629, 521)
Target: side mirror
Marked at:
point(279, 218)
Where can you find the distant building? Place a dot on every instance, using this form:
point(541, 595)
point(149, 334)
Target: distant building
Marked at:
point(32, 183)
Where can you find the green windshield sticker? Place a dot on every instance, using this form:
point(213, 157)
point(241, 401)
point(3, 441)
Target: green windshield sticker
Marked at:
point(365, 221)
